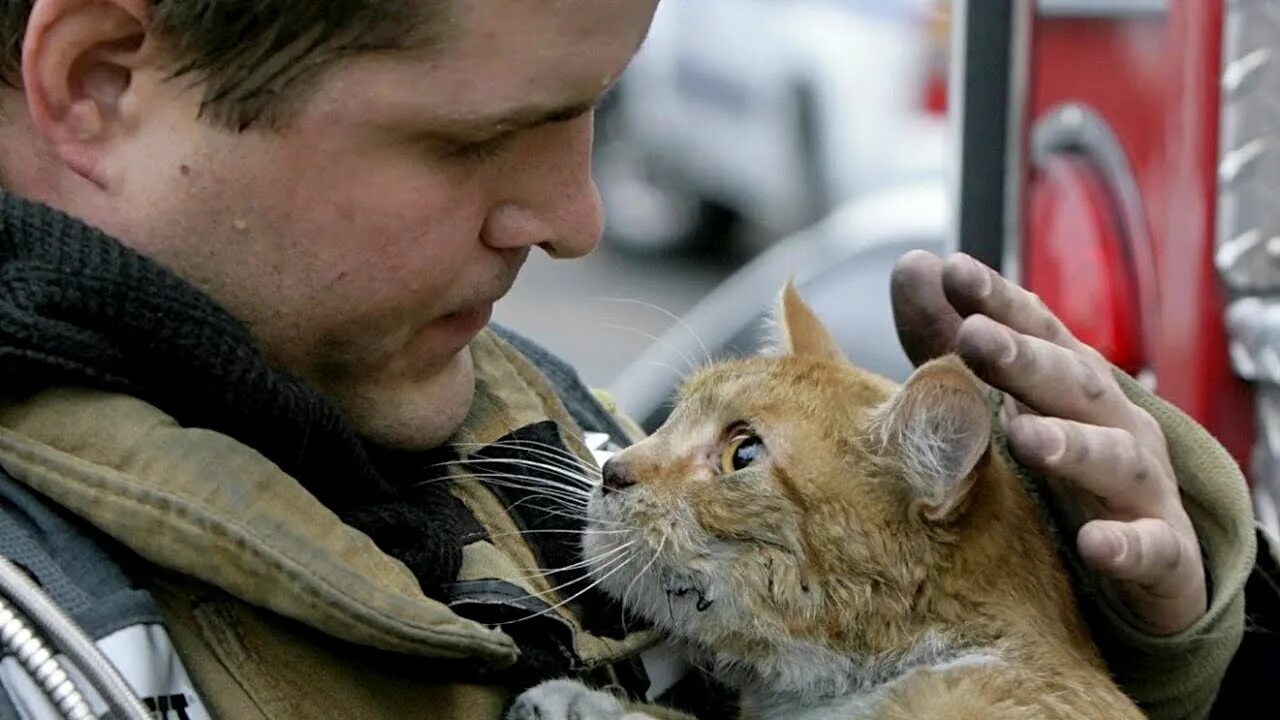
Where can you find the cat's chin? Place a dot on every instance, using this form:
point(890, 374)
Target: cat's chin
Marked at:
point(653, 559)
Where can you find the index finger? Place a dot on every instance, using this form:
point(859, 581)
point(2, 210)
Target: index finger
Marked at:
point(1050, 379)
point(927, 324)
point(975, 289)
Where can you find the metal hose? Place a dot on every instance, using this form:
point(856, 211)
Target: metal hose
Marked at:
point(40, 664)
point(29, 601)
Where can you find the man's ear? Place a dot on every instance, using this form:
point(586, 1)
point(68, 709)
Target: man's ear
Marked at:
point(800, 332)
point(936, 429)
point(78, 63)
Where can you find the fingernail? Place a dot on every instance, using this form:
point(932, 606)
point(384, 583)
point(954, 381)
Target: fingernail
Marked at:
point(993, 345)
point(1119, 545)
point(983, 274)
point(1049, 441)
point(1007, 347)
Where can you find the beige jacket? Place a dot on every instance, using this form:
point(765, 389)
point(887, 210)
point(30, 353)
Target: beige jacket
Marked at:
point(279, 610)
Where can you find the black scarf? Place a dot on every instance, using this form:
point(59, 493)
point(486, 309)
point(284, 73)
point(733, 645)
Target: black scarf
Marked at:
point(77, 307)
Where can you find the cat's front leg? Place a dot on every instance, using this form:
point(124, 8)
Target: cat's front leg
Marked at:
point(569, 700)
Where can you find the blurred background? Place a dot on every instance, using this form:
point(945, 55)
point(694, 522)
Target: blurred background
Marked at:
point(1121, 158)
point(739, 123)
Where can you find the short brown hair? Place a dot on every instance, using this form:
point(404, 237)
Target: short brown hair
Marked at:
point(253, 55)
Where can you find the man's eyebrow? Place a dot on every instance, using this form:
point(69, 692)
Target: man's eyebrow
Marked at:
point(522, 118)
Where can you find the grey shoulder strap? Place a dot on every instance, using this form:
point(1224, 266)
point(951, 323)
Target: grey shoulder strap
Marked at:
point(73, 563)
point(577, 398)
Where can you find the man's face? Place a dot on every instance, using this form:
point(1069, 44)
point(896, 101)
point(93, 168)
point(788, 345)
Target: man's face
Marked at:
point(366, 243)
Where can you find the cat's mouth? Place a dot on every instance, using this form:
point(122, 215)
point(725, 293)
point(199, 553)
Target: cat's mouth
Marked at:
point(682, 591)
point(656, 585)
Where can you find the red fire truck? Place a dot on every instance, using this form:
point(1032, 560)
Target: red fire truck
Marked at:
point(1122, 159)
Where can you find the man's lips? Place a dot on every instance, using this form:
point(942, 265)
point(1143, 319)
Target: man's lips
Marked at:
point(467, 322)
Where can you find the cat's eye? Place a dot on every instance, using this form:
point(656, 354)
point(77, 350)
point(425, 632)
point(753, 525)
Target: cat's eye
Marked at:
point(742, 450)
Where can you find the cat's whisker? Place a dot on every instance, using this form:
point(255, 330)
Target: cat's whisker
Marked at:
point(576, 482)
point(616, 566)
point(557, 511)
point(504, 481)
point(571, 462)
point(1266, 577)
point(579, 481)
point(577, 478)
point(702, 666)
point(572, 496)
point(567, 531)
point(565, 500)
point(688, 360)
point(674, 371)
point(546, 572)
point(585, 531)
point(569, 459)
point(542, 594)
point(561, 511)
point(681, 321)
point(632, 584)
point(558, 504)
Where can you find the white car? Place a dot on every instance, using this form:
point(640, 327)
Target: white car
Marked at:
point(769, 111)
point(841, 266)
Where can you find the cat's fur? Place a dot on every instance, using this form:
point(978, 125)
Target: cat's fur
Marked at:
point(880, 560)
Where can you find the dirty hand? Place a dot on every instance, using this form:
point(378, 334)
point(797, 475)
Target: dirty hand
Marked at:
point(1067, 419)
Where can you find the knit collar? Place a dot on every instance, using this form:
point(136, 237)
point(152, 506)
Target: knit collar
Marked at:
point(79, 308)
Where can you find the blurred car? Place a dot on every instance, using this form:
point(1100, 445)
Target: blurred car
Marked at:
point(770, 112)
point(841, 266)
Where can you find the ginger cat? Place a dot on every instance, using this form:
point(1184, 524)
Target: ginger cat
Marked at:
point(834, 546)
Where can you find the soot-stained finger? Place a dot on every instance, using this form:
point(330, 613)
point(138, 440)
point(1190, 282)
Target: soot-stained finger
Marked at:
point(925, 320)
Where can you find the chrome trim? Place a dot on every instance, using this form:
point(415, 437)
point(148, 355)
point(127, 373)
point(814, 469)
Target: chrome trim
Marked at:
point(1016, 161)
point(1248, 227)
point(1247, 252)
point(1102, 8)
point(955, 117)
point(1079, 129)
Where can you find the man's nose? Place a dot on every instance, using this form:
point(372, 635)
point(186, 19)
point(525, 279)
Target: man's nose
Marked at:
point(548, 197)
point(617, 476)
point(571, 231)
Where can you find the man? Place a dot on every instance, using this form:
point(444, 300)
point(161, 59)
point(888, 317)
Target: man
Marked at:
point(241, 366)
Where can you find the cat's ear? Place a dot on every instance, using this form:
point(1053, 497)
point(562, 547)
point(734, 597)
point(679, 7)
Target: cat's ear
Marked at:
point(800, 332)
point(937, 428)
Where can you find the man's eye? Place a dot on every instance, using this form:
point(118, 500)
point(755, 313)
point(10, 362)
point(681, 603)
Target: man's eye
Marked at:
point(479, 151)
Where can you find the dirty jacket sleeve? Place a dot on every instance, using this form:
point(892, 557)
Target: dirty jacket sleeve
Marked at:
point(1178, 676)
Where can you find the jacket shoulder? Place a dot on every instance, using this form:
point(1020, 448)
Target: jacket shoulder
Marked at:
point(590, 409)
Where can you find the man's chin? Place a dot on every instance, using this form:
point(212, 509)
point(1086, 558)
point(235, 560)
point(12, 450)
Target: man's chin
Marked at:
point(417, 414)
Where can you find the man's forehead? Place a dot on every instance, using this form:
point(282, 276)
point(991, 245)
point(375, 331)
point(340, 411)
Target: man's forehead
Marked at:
point(495, 77)
point(532, 60)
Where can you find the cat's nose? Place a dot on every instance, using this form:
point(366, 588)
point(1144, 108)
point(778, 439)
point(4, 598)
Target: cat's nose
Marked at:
point(616, 476)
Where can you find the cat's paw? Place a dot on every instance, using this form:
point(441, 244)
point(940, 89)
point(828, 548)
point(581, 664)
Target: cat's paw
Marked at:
point(568, 700)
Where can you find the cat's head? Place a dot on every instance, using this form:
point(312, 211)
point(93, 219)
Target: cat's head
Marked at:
point(790, 498)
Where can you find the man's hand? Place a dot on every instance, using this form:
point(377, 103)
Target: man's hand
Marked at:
point(1105, 457)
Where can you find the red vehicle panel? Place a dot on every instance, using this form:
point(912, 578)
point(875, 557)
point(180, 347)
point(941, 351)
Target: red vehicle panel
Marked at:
point(1151, 82)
